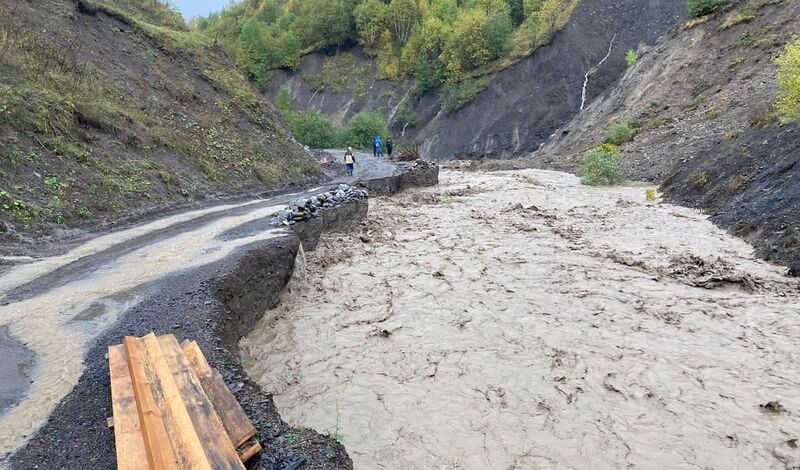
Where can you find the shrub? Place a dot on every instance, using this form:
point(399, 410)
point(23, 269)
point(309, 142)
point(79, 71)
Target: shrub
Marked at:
point(84, 212)
point(406, 117)
point(601, 167)
point(701, 179)
point(621, 133)
point(313, 129)
point(744, 16)
point(631, 58)
point(362, 129)
point(788, 104)
point(283, 101)
point(457, 95)
point(699, 8)
point(52, 183)
point(737, 184)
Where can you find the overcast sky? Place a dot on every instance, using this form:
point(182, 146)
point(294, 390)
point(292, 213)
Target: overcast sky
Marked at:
point(192, 8)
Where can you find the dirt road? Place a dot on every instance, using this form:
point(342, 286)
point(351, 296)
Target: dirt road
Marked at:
point(521, 320)
point(51, 309)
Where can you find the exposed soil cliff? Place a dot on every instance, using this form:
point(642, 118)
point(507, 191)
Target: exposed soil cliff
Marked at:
point(703, 101)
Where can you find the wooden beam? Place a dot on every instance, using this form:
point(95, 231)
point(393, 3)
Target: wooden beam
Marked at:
point(129, 443)
point(235, 420)
point(220, 452)
point(249, 449)
point(160, 454)
point(186, 444)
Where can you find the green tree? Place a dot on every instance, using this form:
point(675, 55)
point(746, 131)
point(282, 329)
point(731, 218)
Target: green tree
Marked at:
point(466, 48)
point(516, 9)
point(403, 15)
point(371, 21)
point(445, 10)
point(499, 27)
point(601, 167)
point(388, 62)
point(422, 53)
point(325, 22)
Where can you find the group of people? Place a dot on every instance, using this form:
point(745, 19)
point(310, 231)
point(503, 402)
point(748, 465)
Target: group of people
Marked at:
point(377, 146)
point(377, 150)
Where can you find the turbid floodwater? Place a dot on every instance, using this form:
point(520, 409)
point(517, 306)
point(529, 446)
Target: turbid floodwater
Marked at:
point(519, 320)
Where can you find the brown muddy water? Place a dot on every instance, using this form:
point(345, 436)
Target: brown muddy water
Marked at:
point(521, 320)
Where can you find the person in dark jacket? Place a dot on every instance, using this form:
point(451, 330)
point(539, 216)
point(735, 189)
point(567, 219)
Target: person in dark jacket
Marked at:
point(389, 146)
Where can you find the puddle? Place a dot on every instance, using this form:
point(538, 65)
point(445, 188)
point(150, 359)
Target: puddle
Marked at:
point(525, 321)
point(15, 373)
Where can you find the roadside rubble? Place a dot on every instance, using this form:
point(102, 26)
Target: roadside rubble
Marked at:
point(422, 164)
point(306, 208)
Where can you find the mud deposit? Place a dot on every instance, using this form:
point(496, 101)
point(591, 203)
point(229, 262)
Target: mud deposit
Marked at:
point(520, 320)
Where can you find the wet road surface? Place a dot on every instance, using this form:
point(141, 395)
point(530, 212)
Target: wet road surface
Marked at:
point(52, 308)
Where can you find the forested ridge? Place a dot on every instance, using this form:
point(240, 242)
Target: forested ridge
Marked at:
point(436, 42)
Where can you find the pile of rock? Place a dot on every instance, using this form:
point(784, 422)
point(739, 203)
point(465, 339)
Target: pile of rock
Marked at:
point(422, 164)
point(306, 208)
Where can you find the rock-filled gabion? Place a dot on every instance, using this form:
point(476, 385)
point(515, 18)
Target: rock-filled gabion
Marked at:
point(422, 164)
point(306, 208)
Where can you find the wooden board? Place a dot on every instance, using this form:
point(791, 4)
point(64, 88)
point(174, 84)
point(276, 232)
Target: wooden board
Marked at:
point(131, 453)
point(219, 451)
point(234, 419)
point(249, 449)
point(159, 450)
point(185, 441)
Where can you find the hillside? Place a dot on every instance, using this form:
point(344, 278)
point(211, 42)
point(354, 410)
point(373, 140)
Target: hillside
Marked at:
point(111, 109)
point(507, 112)
point(703, 104)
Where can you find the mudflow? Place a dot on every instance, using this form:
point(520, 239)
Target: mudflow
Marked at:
point(521, 320)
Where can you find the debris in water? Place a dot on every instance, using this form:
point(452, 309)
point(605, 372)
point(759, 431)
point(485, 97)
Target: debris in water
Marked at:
point(773, 407)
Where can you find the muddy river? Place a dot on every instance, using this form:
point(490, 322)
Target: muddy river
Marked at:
point(521, 320)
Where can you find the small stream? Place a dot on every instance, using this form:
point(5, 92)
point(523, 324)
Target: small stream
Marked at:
point(519, 320)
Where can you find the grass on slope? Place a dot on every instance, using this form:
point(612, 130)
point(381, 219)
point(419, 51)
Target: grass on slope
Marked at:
point(80, 135)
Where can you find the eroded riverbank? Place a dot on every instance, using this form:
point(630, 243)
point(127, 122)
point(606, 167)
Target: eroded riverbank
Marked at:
point(520, 320)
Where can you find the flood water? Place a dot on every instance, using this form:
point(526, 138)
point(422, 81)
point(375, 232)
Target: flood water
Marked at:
point(519, 320)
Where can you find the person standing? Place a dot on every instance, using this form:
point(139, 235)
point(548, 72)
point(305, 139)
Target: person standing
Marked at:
point(389, 147)
point(350, 161)
point(378, 146)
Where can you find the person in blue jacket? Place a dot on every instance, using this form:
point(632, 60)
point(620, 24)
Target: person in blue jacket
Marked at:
point(377, 146)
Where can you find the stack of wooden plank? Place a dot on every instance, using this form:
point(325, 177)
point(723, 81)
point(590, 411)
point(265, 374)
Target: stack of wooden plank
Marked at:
point(172, 410)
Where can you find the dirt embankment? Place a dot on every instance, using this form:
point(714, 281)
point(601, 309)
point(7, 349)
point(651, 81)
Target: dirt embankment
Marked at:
point(703, 100)
point(532, 322)
point(523, 104)
point(107, 115)
point(215, 303)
